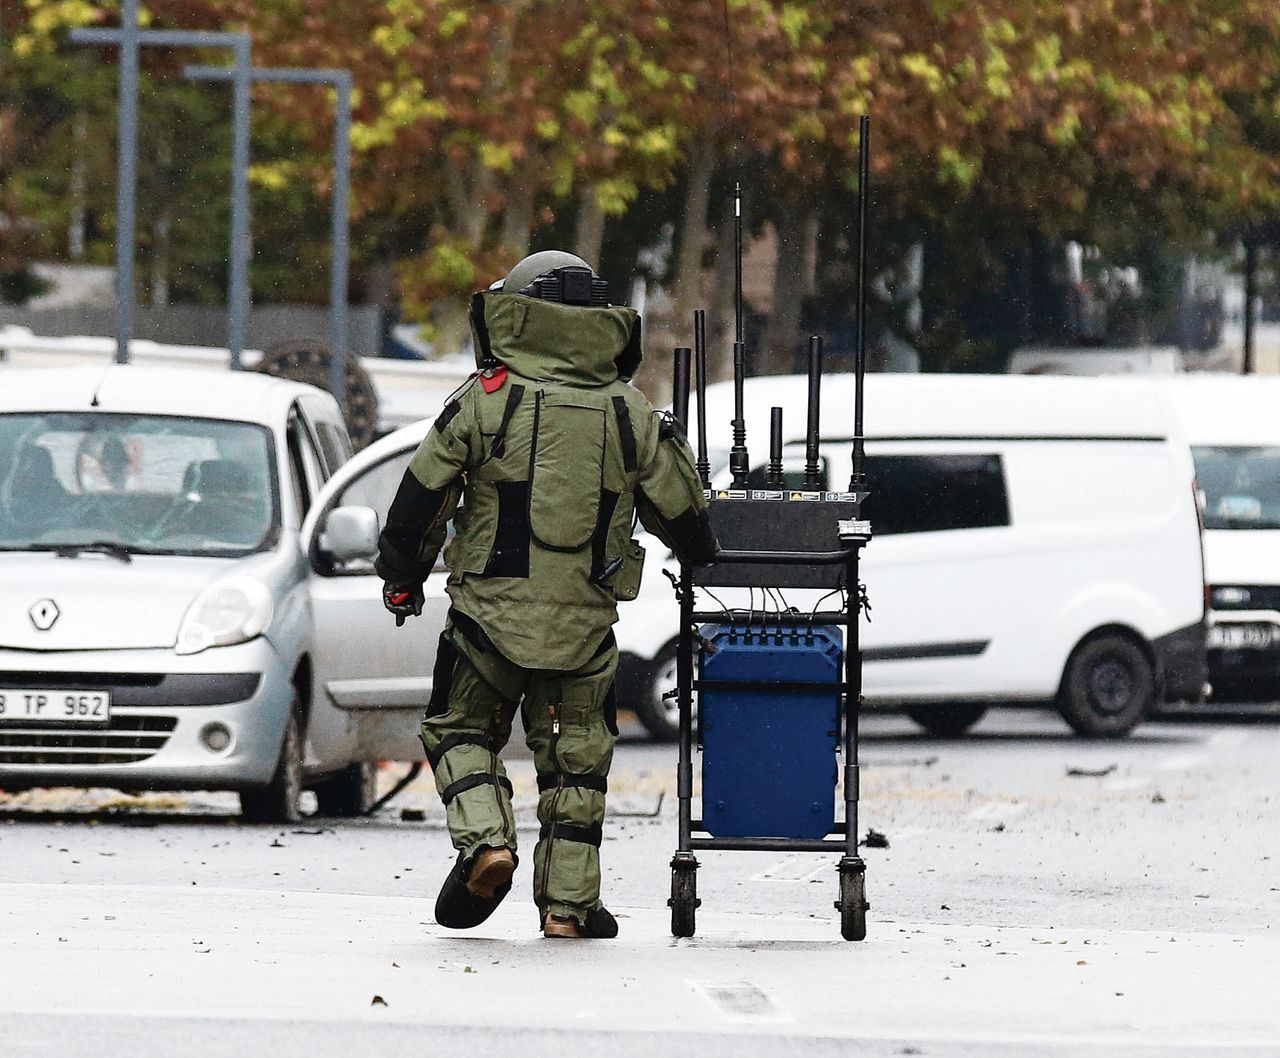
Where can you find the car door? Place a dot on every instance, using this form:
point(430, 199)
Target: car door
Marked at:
point(375, 678)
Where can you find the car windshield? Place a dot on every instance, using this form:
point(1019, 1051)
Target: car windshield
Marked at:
point(1241, 486)
point(146, 484)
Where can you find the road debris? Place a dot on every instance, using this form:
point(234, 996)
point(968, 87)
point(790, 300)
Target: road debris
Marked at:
point(1090, 773)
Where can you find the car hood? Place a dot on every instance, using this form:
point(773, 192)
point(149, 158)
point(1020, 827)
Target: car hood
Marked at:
point(1242, 556)
point(101, 603)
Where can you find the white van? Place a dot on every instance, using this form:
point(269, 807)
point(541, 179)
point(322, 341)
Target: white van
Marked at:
point(1035, 541)
point(1230, 422)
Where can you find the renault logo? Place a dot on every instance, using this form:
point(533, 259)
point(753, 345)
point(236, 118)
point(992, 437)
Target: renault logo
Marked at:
point(44, 614)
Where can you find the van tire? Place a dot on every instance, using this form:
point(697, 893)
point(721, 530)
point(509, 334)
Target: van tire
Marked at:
point(661, 718)
point(350, 793)
point(1108, 687)
point(280, 800)
point(947, 721)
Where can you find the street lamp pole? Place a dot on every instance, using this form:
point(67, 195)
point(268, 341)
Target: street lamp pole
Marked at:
point(339, 218)
point(129, 38)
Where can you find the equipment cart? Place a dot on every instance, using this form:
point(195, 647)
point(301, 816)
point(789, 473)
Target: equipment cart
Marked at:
point(779, 689)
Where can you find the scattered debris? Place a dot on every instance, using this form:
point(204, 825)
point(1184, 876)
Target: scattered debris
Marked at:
point(467, 970)
point(998, 828)
point(412, 815)
point(1156, 799)
point(318, 830)
point(875, 840)
point(377, 1001)
point(276, 843)
point(1081, 962)
point(1091, 773)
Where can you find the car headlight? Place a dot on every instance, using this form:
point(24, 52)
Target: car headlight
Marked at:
point(229, 611)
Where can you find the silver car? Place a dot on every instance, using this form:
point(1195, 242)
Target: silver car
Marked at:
point(166, 619)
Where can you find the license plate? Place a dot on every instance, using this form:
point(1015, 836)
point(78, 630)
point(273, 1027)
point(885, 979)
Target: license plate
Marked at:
point(18, 705)
point(1243, 637)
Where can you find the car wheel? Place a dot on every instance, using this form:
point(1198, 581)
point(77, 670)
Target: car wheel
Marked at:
point(946, 721)
point(279, 801)
point(660, 717)
point(1108, 687)
point(351, 792)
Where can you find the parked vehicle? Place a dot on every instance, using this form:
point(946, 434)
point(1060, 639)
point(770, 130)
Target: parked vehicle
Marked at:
point(1230, 422)
point(166, 621)
point(1036, 541)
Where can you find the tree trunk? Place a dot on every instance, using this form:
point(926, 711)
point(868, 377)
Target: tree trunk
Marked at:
point(782, 337)
point(162, 227)
point(588, 238)
point(694, 235)
point(79, 185)
point(517, 217)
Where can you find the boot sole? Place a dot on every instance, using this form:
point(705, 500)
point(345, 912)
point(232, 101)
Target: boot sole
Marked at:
point(489, 878)
point(562, 930)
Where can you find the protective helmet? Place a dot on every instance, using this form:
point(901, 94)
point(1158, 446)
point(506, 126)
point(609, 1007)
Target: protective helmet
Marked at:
point(554, 275)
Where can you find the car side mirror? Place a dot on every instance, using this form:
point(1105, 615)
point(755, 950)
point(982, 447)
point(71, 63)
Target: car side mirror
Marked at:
point(350, 533)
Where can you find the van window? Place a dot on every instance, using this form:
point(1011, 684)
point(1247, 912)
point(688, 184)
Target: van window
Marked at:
point(933, 493)
point(1241, 486)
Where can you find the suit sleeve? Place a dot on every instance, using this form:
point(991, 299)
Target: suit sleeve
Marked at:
point(669, 496)
point(418, 519)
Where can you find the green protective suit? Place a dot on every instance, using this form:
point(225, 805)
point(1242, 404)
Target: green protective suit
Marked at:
point(552, 454)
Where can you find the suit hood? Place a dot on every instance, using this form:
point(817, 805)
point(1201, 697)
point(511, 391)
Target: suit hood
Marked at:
point(550, 342)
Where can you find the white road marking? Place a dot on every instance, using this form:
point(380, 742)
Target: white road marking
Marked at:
point(791, 869)
point(740, 1000)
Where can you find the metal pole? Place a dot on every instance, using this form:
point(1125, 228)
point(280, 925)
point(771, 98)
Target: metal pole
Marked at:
point(340, 249)
point(126, 176)
point(1250, 296)
point(241, 250)
point(129, 39)
point(341, 80)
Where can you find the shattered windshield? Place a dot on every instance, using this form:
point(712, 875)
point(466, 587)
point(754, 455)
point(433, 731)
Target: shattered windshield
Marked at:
point(1241, 486)
point(146, 484)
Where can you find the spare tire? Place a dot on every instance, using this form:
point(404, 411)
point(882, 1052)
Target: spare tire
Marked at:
point(307, 360)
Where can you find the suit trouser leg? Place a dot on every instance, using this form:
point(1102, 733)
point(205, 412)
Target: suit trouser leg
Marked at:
point(571, 727)
point(466, 726)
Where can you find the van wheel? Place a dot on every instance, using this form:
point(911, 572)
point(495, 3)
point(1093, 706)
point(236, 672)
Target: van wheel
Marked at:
point(946, 721)
point(660, 717)
point(1108, 687)
point(280, 800)
point(349, 793)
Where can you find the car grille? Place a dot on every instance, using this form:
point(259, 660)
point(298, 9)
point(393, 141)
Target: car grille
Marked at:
point(125, 740)
point(1259, 597)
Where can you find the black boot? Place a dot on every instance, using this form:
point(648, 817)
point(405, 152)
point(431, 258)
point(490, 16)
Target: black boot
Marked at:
point(599, 925)
point(472, 891)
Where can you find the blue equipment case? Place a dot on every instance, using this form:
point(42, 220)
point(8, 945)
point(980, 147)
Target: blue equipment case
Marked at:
point(770, 736)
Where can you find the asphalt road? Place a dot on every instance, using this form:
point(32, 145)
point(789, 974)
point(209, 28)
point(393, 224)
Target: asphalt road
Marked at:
point(1039, 894)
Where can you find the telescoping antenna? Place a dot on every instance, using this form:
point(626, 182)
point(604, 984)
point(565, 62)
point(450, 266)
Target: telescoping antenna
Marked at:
point(775, 448)
point(739, 461)
point(680, 388)
point(812, 468)
point(700, 381)
point(858, 479)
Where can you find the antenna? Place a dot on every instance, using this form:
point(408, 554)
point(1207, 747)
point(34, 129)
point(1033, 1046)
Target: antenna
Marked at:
point(680, 390)
point(775, 448)
point(700, 381)
point(858, 479)
point(812, 471)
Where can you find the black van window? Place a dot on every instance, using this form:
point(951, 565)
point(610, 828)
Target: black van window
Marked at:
point(924, 494)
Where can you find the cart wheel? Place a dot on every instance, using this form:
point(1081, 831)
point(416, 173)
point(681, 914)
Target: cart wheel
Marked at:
point(684, 900)
point(852, 904)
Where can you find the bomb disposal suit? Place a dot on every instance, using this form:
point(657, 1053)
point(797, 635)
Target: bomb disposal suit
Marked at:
point(552, 453)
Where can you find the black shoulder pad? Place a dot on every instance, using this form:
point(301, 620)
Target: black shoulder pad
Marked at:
point(446, 415)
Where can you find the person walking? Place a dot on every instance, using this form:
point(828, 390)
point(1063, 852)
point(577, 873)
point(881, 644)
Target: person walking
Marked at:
point(552, 455)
